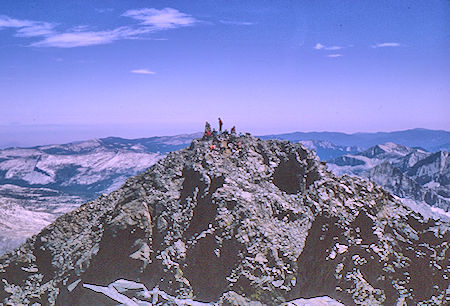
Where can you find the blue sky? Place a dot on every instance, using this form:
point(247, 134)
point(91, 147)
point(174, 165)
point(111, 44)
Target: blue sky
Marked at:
point(143, 68)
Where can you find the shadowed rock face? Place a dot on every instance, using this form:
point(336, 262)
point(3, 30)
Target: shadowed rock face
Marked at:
point(268, 223)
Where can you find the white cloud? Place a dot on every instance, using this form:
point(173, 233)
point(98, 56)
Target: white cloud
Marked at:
point(88, 38)
point(152, 20)
point(319, 46)
point(7, 22)
point(42, 29)
point(142, 71)
point(167, 18)
point(27, 28)
point(80, 38)
point(334, 55)
point(244, 23)
point(76, 39)
point(388, 44)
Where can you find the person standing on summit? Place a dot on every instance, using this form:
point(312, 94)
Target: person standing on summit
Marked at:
point(207, 130)
point(220, 125)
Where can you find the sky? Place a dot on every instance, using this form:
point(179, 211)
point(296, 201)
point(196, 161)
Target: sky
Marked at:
point(71, 70)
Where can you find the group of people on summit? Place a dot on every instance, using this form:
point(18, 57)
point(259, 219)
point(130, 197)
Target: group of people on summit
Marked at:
point(223, 140)
point(208, 133)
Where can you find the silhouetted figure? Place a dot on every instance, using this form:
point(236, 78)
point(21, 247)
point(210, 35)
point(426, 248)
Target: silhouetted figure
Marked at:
point(207, 129)
point(220, 125)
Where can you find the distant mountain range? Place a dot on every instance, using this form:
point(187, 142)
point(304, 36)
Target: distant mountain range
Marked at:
point(430, 140)
point(39, 183)
point(406, 172)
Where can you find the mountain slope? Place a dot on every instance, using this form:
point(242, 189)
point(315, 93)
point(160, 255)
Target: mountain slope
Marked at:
point(327, 150)
point(92, 166)
point(259, 219)
point(407, 172)
point(401, 156)
point(433, 170)
point(55, 179)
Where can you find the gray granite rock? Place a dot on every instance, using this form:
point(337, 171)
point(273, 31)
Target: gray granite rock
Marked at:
point(261, 221)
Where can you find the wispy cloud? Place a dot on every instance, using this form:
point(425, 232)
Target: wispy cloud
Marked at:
point(243, 23)
point(88, 38)
point(104, 10)
point(7, 22)
point(151, 20)
point(319, 46)
point(142, 71)
point(335, 55)
point(27, 28)
point(167, 18)
point(387, 44)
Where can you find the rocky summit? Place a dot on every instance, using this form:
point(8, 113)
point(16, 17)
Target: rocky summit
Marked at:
point(237, 220)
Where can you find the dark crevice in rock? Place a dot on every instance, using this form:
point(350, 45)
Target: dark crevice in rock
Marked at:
point(289, 176)
point(38, 300)
point(369, 270)
point(108, 265)
point(365, 224)
point(315, 276)
point(14, 274)
point(429, 238)
point(205, 210)
point(416, 225)
point(203, 214)
point(82, 296)
point(216, 183)
point(44, 258)
point(111, 263)
point(302, 153)
point(242, 285)
point(311, 177)
point(263, 151)
point(192, 179)
point(206, 271)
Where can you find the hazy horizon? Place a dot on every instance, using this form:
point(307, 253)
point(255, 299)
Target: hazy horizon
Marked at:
point(15, 135)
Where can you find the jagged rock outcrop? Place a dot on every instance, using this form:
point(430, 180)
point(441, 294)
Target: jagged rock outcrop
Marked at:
point(395, 181)
point(433, 171)
point(259, 220)
point(410, 173)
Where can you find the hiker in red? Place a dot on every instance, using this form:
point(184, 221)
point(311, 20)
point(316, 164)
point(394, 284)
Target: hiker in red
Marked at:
point(220, 125)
